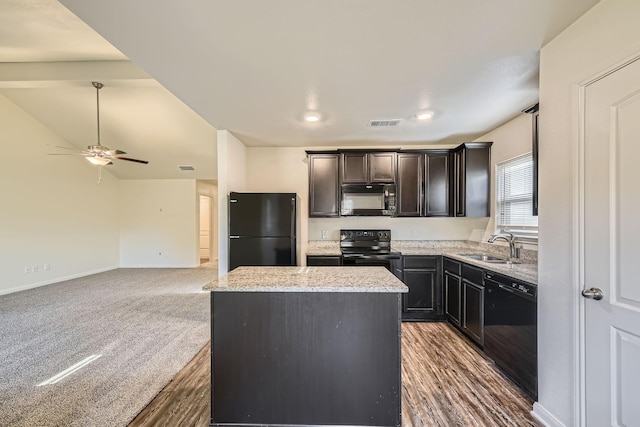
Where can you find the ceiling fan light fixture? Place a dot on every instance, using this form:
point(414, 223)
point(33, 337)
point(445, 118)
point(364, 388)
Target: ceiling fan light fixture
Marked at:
point(99, 161)
point(312, 117)
point(424, 115)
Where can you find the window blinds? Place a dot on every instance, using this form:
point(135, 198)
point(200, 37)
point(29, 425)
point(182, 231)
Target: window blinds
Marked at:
point(514, 195)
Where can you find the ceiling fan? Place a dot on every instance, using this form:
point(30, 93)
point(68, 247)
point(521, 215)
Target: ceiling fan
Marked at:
point(99, 154)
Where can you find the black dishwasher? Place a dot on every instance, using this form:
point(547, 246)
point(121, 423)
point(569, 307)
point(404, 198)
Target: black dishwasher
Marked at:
point(510, 329)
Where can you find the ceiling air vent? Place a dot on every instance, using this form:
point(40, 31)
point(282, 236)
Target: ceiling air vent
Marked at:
point(384, 123)
point(186, 168)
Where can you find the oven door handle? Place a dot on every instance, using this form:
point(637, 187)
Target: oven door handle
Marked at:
point(506, 288)
point(369, 257)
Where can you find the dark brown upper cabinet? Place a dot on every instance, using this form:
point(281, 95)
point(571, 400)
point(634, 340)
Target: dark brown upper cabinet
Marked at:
point(423, 183)
point(471, 179)
point(534, 152)
point(436, 177)
point(535, 114)
point(365, 167)
point(409, 185)
point(324, 189)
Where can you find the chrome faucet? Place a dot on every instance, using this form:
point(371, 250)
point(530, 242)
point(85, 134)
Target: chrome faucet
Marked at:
point(514, 252)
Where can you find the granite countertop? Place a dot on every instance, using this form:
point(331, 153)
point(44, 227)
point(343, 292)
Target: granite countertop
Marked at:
point(324, 251)
point(527, 272)
point(525, 269)
point(308, 279)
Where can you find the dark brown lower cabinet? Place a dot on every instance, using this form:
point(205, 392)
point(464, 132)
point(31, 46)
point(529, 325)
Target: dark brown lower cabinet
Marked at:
point(464, 298)
point(423, 276)
point(305, 358)
point(473, 311)
point(472, 320)
point(452, 290)
point(324, 260)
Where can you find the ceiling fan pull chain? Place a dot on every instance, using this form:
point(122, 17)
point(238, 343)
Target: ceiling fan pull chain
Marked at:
point(99, 174)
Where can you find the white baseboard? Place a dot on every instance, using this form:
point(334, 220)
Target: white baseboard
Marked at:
point(545, 417)
point(54, 280)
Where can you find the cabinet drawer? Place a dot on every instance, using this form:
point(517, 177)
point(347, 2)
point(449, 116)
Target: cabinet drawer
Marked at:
point(453, 267)
point(316, 261)
point(420, 261)
point(472, 274)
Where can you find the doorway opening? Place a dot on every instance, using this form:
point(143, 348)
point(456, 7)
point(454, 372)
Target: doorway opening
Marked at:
point(205, 228)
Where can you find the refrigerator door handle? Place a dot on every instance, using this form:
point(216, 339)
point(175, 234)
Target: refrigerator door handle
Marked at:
point(234, 237)
point(293, 231)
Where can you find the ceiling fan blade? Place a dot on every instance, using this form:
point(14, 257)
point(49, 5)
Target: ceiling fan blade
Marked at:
point(131, 160)
point(64, 148)
point(114, 152)
point(71, 154)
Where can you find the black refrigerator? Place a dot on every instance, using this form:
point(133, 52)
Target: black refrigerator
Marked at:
point(262, 229)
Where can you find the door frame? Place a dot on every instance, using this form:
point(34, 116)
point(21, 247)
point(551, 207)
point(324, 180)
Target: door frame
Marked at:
point(580, 90)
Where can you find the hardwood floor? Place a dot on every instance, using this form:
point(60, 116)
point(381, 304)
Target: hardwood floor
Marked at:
point(185, 401)
point(446, 382)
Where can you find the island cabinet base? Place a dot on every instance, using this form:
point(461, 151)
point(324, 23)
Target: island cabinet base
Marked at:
point(305, 358)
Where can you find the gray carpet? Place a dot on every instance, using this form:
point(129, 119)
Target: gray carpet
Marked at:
point(146, 323)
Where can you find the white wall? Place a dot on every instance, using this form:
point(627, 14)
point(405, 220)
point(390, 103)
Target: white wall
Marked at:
point(510, 140)
point(53, 210)
point(282, 170)
point(232, 176)
point(158, 223)
point(605, 35)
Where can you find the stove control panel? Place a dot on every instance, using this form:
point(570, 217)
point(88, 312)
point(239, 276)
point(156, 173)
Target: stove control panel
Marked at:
point(365, 235)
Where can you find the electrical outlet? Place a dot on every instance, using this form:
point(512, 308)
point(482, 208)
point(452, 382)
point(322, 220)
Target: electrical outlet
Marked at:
point(34, 269)
point(324, 234)
point(47, 267)
point(413, 234)
point(27, 270)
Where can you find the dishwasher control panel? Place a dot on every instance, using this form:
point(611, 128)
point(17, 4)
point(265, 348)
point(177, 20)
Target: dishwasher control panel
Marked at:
point(512, 284)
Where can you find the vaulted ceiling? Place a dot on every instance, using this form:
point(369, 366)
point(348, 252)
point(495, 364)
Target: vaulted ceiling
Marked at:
point(181, 69)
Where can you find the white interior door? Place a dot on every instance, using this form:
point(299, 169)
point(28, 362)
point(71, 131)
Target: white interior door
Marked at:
point(611, 244)
point(205, 227)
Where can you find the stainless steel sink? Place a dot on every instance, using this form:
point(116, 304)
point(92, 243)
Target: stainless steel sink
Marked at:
point(487, 258)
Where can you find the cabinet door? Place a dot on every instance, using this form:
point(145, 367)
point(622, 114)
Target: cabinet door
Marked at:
point(382, 167)
point(437, 177)
point(473, 311)
point(354, 168)
point(396, 265)
point(452, 297)
point(471, 172)
point(477, 171)
point(421, 296)
point(459, 182)
point(324, 190)
point(534, 153)
point(409, 187)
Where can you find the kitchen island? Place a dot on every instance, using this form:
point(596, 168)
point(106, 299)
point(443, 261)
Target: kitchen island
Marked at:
point(306, 346)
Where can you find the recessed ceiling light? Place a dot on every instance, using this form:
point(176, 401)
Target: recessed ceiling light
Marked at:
point(424, 115)
point(312, 117)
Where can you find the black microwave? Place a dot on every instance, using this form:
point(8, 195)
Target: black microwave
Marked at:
point(368, 199)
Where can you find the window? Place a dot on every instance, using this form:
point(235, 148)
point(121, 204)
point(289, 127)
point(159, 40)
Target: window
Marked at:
point(514, 197)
